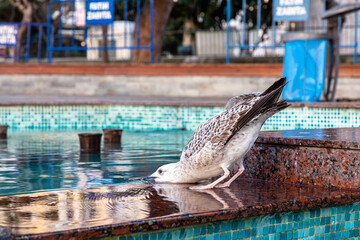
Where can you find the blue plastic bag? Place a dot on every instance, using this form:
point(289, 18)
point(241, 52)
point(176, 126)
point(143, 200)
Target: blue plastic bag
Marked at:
point(304, 68)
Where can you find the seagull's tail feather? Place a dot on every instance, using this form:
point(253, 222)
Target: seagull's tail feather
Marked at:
point(279, 83)
point(276, 85)
point(271, 110)
point(265, 102)
point(277, 107)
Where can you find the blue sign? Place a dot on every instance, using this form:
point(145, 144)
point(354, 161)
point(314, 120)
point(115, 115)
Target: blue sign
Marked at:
point(99, 12)
point(291, 10)
point(8, 34)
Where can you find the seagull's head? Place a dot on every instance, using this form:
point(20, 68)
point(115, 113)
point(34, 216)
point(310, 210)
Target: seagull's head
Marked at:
point(168, 173)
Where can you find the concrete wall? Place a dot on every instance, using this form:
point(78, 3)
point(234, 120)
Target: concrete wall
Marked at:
point(147, 86)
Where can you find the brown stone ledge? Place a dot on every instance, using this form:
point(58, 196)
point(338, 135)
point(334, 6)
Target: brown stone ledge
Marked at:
point(244, 69)
point(322, 157)
point(249, 70)
point(117, 210)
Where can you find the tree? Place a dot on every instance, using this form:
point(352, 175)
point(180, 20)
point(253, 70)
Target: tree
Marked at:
point(162, 10)
point(25, 7)
point(104, 39)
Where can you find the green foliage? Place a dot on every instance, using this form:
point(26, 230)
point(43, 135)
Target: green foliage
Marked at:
point(205, 14)
point(119, 10)
point(5, 10)
point(4, 4)
point(211, 15)
point(9, 13)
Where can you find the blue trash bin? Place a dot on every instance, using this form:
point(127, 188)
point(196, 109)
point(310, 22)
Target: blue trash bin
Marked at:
point(304, 66)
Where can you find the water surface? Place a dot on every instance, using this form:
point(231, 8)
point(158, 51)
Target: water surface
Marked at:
point(43, 160)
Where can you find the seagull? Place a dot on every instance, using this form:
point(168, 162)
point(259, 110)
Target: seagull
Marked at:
point(223, 140)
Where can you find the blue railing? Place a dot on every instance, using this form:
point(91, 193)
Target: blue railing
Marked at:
point(51, 47)
point(274, 45)
point(59, 44)
point(28, 41)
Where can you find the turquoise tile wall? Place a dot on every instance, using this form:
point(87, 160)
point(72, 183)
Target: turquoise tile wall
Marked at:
point(99, 116)
point(161, 117)
point(340, 222)
point(309, 117)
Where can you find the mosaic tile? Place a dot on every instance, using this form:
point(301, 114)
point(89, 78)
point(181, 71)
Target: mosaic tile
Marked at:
point(162, 117)
point(275, 226)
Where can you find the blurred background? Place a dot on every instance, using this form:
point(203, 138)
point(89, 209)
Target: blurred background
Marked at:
point(166, 30)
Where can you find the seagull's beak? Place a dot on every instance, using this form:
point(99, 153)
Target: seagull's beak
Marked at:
point(150, 177)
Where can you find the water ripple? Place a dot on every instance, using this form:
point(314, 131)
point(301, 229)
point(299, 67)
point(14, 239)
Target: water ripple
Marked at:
point(34, 161)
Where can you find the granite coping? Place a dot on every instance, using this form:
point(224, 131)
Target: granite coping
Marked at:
point(17, 100)
point(322, 157)
point(335, 138)
point(122, 209)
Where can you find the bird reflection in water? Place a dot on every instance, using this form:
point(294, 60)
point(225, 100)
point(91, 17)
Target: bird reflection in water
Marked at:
point(78, 208)
point(190, 201)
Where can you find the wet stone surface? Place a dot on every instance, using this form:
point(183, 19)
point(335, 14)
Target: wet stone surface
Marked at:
point(344, 138)
point(122, 209)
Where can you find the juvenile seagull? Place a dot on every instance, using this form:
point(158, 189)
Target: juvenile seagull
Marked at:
point(223, 140)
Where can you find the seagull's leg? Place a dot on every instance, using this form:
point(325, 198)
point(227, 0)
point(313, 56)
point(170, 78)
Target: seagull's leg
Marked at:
point(227, 184)
point(215, 196)
point(213, 184)
point(233, 197)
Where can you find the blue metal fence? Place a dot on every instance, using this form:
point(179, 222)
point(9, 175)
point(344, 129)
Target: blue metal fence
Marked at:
point(274, 45)
point(29, 40)
point(59, 44)
point(52, 47)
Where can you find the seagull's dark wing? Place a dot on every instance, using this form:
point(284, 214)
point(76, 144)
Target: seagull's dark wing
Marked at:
point(215, 133)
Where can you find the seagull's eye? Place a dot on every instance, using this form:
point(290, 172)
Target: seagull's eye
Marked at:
point(160, 171)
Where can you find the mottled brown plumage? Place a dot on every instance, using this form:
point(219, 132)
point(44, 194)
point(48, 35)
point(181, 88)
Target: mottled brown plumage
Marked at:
point(220, 128)
point(224, 139)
